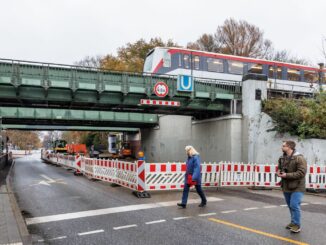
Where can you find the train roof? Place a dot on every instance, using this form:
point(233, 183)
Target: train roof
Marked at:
point(237, 58)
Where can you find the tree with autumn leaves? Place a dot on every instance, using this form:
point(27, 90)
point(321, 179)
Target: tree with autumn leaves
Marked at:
point(24, 140)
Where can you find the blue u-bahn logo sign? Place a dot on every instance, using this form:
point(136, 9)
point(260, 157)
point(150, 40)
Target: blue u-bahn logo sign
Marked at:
point(185, 83)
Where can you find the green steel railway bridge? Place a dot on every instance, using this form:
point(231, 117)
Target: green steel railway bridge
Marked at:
point(55, 96)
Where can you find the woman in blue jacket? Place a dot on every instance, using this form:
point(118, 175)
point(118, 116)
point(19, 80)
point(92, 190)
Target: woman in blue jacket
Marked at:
point(192, 177)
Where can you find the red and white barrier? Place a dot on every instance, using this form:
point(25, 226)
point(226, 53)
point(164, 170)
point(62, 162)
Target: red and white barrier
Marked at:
point(236, 174)
point(265, 176)
point(141, 176)
point(316, 177)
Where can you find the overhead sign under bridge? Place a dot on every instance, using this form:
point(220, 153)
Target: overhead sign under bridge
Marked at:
point(185, 83)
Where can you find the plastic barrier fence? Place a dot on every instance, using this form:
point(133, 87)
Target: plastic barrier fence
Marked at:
point(265, 176)
point(237, 174)
point(316, 177)
point(141, 176)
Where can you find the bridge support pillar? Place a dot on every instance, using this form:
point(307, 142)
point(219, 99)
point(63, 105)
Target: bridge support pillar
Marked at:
point(254, 90)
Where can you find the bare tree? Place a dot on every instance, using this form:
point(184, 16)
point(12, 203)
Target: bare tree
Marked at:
point(90, 61)
point(242, 39)
point(206, 42)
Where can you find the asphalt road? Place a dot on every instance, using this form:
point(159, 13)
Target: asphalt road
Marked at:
point(61, 208)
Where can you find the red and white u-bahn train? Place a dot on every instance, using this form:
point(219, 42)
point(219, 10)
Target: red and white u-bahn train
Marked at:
point(281, 76)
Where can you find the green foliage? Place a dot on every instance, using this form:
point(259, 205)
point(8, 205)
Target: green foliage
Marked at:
point(305, 118)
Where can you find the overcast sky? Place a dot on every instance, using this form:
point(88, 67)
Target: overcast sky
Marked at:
point(65, 31)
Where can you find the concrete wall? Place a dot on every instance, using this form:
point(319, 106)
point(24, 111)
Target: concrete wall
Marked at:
point(268, 144)
point(215, 139)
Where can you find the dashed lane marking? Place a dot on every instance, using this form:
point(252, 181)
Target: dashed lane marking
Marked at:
point(155, 222)
point(90, 213)
point(208, 214)
point(90, 232)
point(228, 211)
point(181, 218)
point(248, 209)
point(257, 231)
point(124, 227)
point(271, 206)
point(57, 238)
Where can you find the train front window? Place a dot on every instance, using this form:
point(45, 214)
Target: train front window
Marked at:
point(255, 68)
point(166, 59)
point(235, 67)
point(309, 76)
point(293, 74)
point(186, 61)
point(149, 62)
point(215, 65)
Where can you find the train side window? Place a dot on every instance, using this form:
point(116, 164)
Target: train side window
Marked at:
point(186, 61)
point(271, 71)
point(196, 62)
point(235, 67)
point(215, 65)
point(166, 59)
point(309, 76)
point(255, 68)
point(179, 60)
point(293, 74)
point(279, 72)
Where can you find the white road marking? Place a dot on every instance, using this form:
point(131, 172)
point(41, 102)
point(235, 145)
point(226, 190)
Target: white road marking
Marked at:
point(40, 240)
point(57, 238)
point(155, 222)
point(90, 213)
point(208, 214)
point(272, 206)
point(48, 181)
point(304, 204)
point(318, 203)
point(283, 205)
point(180, 218)
point(124, 227)
point(48, 178)
point(90, 232)
point(228, 211)
point(247, 209)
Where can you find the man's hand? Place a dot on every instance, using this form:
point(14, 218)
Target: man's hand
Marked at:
point(281, 174)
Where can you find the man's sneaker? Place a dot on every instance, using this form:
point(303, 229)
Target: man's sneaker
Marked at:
point(289, 226)
point(295, 229)
point(202, 205)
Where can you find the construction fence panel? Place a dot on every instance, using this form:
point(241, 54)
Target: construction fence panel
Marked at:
point(105, 170)
point(236, 174)
point(266, 176)
point(164, 176)
point(316, 177)
point(126, 174)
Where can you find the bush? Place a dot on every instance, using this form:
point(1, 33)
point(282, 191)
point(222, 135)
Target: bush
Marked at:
point(305, 118)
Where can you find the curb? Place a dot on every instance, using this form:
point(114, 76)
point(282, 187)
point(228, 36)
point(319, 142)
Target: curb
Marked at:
point(22, 227)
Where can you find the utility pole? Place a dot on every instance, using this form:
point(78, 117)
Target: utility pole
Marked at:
point(320, 76)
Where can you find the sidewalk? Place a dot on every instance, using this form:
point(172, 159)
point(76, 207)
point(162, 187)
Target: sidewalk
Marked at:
point(13, 230)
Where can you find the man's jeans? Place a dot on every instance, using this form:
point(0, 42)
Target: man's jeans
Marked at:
point(199, 191)
point(293, 200)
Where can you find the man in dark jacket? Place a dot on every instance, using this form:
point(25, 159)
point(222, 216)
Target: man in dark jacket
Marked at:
point(192, 177)
point(292, 168)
